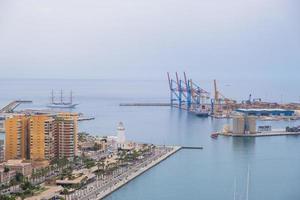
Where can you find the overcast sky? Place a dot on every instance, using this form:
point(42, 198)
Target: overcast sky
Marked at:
point(143, 39)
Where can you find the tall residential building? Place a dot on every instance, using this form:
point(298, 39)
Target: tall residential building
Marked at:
point(16, 137)
point(66, 135)
point(1, 151)
point(41, 137)
point(2, 124)
point(41, 131)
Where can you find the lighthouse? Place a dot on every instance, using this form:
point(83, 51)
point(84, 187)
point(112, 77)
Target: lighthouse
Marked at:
point(121, 139)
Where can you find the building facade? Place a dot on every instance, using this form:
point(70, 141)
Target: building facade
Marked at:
point(2, 151)
point(41, 137)
point(41, 129)
point(16, 137)
point(66, 135)
point(238, 125)
point(6, 176)
point(267, 112)
point(19, 166)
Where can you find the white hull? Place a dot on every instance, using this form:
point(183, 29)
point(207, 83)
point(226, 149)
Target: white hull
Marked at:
point(62, 105)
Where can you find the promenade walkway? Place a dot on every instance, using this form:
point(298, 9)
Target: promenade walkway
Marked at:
point(104, 186)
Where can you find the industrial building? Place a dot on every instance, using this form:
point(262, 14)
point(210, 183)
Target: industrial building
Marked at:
point(264, 128)
point(251, 124)
point(187, 95)
point(266, 112)
point(243, 124)
point(238, 125)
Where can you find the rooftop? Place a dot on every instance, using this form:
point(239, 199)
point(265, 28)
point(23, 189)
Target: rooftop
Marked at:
point(17, 163)
point(49, 193)
point(263, 109)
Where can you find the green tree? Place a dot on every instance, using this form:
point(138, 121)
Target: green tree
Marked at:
point(6, 169)
point(7, 197)
point(89, 163)
point(97, 146)
point(19, 177)
point(135, 154)
point(65, 192)
point(27, 185)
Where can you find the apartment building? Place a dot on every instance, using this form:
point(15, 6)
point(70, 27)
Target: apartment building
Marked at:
point(41, 131)
point(16, 137)
point(66, 134)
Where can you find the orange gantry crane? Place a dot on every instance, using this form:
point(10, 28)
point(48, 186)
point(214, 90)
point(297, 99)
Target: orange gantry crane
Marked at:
point(222, 105)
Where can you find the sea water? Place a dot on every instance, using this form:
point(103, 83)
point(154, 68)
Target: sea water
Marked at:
point(274, 162)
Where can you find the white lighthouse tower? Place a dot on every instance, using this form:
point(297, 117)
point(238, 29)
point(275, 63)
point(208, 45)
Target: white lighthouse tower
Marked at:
point(121, 140)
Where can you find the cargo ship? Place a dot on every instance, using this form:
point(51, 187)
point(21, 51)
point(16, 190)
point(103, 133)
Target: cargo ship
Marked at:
point(201, 112)
point(61, 103)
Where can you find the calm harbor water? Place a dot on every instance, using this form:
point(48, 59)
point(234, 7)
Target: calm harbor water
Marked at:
point(190, 174)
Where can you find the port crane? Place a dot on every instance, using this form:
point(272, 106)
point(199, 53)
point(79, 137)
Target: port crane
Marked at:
point(220, 101)
point(186, 94)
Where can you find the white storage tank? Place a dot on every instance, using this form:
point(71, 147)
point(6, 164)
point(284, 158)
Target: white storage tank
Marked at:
point(251, 120)
point(297, 112)
point(238, 125)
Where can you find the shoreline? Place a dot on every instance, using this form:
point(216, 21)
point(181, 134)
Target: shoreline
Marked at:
point(138, 173)
point(268, 134)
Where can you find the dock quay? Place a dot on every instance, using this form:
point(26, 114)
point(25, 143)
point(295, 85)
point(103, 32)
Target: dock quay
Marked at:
point(191, 147)
point(145, 104)
point(85, 118)
point(137, 173)
point(9, 108)
point(262, 134)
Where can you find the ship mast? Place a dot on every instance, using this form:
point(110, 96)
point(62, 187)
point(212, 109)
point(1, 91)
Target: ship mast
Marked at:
point(248, 180)
point(52, 97)
point(61, 96)
point(71, 97)
point(234, 193)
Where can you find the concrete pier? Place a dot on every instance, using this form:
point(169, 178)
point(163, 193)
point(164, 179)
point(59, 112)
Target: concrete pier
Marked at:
point(191, 147)
point(262, 134)
point(13, 105)
point(145, 104)
point(138, 173)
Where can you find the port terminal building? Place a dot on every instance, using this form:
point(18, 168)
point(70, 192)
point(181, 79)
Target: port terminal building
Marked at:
point(267, 112)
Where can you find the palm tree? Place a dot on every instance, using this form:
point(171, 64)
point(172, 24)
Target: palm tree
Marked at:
point(100, 164)
point(65, 192)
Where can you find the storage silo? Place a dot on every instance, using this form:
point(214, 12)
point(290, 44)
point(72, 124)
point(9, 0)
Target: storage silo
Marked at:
point(238, 125)
point(251, 121)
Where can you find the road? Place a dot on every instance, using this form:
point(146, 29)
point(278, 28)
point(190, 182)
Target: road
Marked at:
point(105, 184)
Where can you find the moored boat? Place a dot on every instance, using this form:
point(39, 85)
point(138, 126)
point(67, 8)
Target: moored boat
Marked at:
point(61, 103)
point(214, 135)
